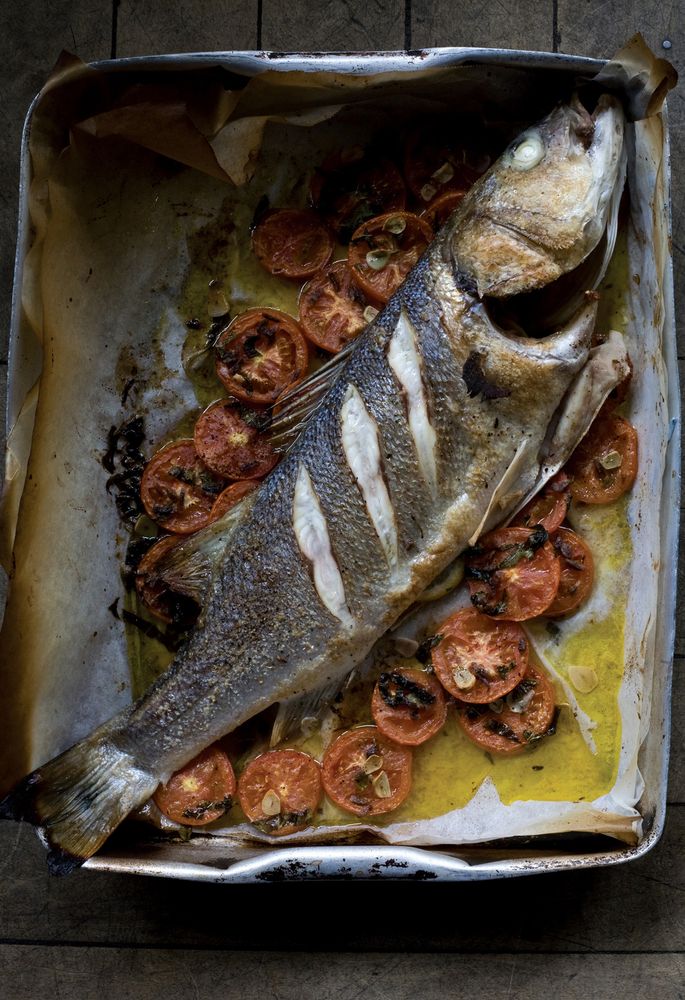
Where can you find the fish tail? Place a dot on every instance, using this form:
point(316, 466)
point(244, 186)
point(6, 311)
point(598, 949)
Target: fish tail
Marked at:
point(80, 797)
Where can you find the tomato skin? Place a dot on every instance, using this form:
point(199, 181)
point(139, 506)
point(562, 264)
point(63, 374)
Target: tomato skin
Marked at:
point(403, 250)
point(332, 308)
point(577, 572)
point(411, 722)
point(549, 508)
point(494, 652)
point(231, 496)
point(590, 482)
point(507, 732)
point(157, 597)
point(178, 489)
point(294, 778)
point(261, 354)
point(519, 591)
point(438, 211)
point(290, 243)
point(350, 188)
point(200, 792)
point(350, 787)
point(230, 446)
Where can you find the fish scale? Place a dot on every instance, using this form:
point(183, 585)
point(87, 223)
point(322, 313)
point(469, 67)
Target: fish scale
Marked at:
point(301, 587)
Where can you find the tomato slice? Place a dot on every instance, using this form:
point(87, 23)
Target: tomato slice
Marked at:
point(365, 773)
point(280, 791)
point(178, 490)
point(231, 496)
point(291, 243)
point(604, 465)
point(200, 792)
point(261, 353)
point(384, 250)
point(408, 706)
point(548, 508)
point(350, 188)
point(332, 308)
point(440, 208)
point(157, 596)
point(577, 572)
point(230, 446)
point(477, 659)
point(434, 164)
point(513, 573)
point(510, 725)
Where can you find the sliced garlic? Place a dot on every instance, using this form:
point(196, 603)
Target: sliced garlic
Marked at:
point(405, 647)
point(217, 303)
point(428, 191)
point(464, 679)
point(377, 259)
point(370, 314)
point(381, 786)
point(612, 460)
point(518, 703)
point(529, 151)
point(584, 679)
point(372, 764)
point(444, 173)
point(395, 225)
point(271, 804)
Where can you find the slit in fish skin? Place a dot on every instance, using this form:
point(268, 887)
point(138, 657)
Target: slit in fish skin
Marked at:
point(313, 539)
point(361, 446)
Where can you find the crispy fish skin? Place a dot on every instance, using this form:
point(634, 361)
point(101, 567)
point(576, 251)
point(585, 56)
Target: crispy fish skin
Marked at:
point(434, 425)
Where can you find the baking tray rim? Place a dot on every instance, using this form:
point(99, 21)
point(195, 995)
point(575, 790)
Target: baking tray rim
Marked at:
point(335, 862)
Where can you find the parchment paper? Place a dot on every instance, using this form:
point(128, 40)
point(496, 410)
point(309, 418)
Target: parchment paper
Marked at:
point(124, 173)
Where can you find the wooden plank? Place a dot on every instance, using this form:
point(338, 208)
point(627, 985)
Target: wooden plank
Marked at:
point(633, 907)
point(80, 973)
point(147, 27)
point(521, 24)
point(356, 25)
point(600, 30)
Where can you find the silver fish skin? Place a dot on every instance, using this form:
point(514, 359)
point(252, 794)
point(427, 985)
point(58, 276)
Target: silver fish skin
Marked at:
point(434, 428)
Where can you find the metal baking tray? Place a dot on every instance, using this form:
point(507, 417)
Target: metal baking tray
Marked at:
point(206, 858)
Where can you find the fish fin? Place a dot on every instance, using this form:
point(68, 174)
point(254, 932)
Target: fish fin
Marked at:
point(304, 711)
point(188, 568)
point(80, 797)
point(493, 511)
point(297, 406)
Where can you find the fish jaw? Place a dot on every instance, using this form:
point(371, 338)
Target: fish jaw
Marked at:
point(544, 205)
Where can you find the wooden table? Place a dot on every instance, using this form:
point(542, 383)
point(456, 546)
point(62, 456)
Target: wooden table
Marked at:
point(605, 933)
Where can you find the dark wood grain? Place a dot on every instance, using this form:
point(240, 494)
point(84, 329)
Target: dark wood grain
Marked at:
point(147, 27)
point(520, 24)
point(333, 25)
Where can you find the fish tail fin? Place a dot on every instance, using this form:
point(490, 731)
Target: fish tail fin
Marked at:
point(79, 798)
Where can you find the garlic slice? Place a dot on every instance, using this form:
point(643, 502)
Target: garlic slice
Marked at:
point(271, 804)
point(584, 679)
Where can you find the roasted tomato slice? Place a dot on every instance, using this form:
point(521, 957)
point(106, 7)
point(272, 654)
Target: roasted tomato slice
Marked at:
point(157, 596)
point(291, 243)
point(513, 573)
point(604, 465)
point(280, 791)
point(350, 188)
point(260, 354)
point(408, 706)
point(433, 164)
point(200, 792)
point(439, 210)
point(178, 490)
point(365, 773)
point(332, 308)
point(231, 496)
point(511, 724)
point(230, 446)
point(477, 659)
point(549, 508)
point(577, 572)
point(384, 250)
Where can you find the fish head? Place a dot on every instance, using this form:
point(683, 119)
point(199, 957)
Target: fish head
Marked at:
point(544, 205)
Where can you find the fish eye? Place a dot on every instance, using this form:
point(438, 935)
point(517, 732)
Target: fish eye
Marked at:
point(528, 151)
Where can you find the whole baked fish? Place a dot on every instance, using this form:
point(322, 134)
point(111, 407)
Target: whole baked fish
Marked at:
point(435, 426)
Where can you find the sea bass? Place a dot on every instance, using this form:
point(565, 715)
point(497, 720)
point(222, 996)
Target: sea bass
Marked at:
point(435, 425)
